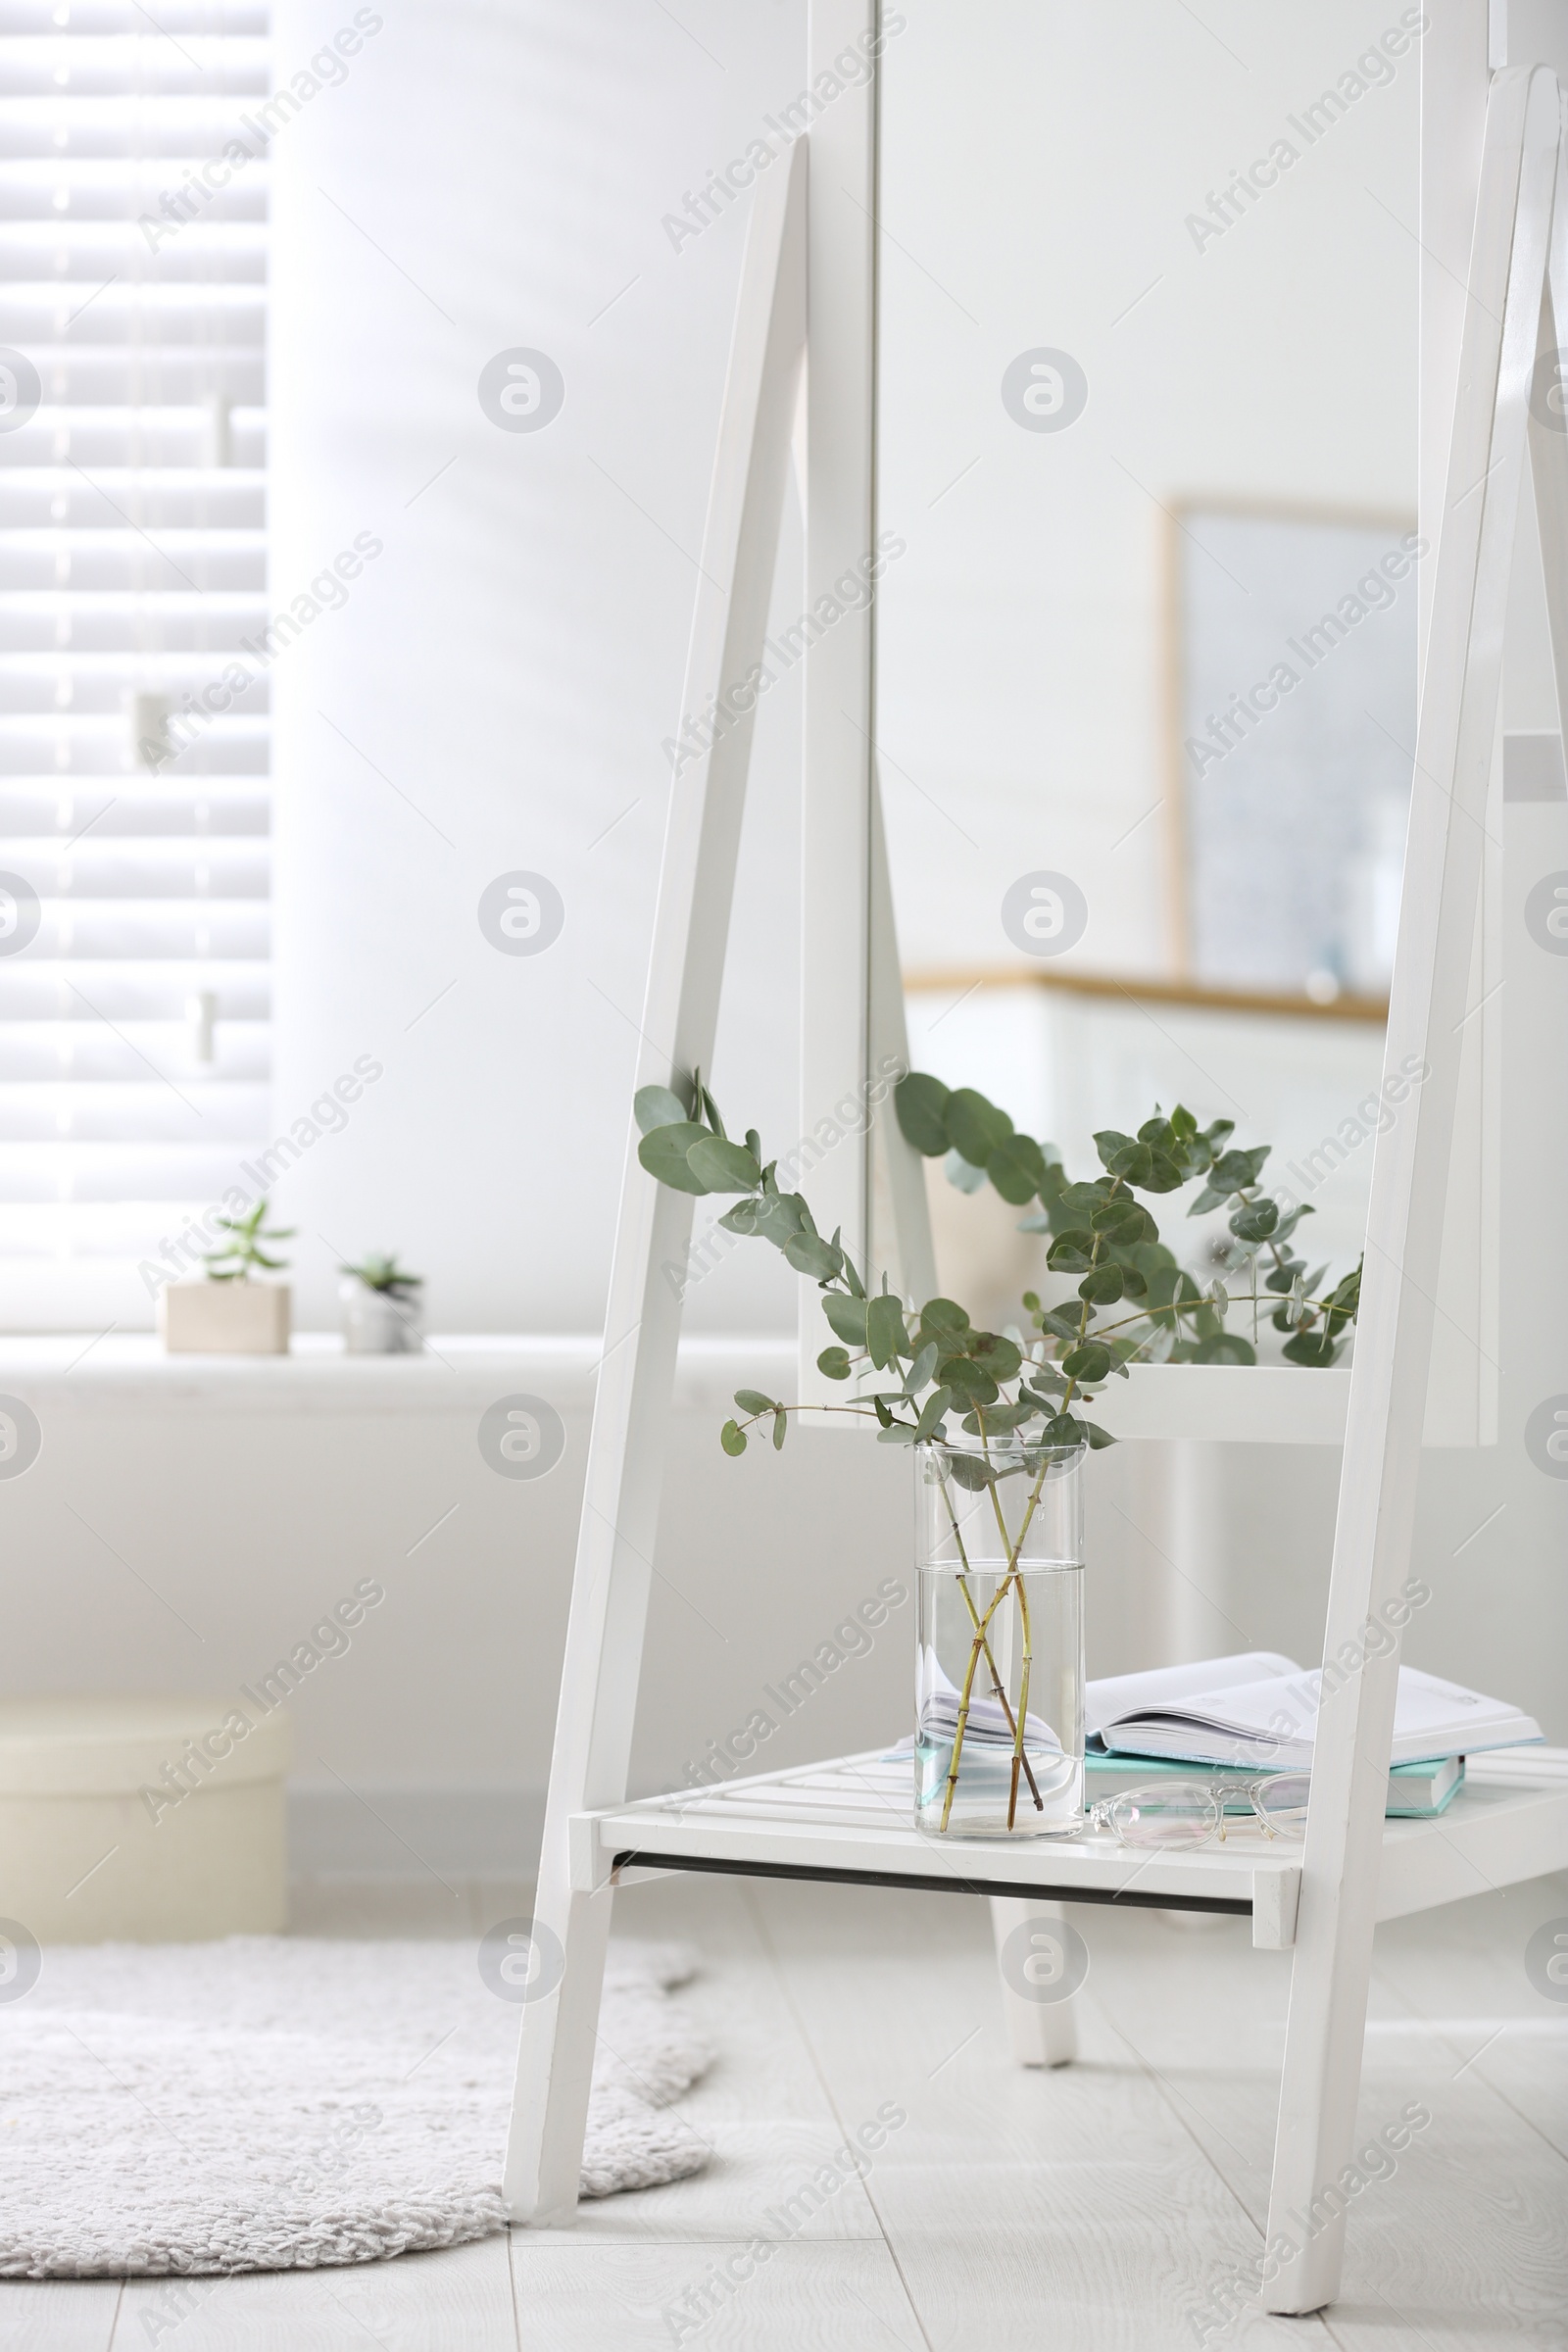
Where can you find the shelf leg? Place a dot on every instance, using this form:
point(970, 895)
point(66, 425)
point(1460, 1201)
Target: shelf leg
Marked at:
point(556, 2058)
point(1042, 2032)
point(619, 1524)
point(1505, 332)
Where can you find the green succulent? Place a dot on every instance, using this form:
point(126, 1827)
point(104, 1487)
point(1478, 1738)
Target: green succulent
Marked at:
point(384, 1274)
point(238, 1258)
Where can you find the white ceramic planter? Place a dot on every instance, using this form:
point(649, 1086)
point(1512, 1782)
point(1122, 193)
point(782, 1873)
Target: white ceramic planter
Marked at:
point(179, 1803)
point(224, 1318)
point(377, 1323)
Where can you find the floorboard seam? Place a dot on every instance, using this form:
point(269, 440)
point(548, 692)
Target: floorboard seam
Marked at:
point(511, 2282)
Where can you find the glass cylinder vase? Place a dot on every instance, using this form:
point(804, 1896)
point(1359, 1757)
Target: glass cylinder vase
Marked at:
point(999, 1737)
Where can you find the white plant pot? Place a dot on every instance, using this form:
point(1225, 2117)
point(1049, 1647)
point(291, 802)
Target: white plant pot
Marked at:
point(377, 1323)
point(224, 1318)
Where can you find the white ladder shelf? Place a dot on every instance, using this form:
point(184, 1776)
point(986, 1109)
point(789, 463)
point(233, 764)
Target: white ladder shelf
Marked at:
point(838, 1821)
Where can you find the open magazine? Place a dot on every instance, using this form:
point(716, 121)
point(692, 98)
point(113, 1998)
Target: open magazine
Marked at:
point(1260, 1709)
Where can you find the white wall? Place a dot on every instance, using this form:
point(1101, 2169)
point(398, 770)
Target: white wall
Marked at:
point(495, 693)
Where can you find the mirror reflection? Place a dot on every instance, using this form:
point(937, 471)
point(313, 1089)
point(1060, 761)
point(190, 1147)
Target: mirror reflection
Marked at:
point(1146, 668)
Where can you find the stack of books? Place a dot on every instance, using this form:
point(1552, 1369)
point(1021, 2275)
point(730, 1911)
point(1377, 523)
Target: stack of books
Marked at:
point(1232, 1720)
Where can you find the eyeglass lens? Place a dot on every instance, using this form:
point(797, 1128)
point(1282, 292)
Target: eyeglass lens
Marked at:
point(1181, 1813)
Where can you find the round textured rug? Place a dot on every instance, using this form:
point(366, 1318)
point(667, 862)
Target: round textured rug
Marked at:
point(276, 2103)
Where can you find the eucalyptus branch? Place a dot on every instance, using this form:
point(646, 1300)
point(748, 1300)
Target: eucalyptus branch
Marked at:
point(937, 1365)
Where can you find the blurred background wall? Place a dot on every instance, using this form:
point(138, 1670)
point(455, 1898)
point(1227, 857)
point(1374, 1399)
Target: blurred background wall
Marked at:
point(494, 697)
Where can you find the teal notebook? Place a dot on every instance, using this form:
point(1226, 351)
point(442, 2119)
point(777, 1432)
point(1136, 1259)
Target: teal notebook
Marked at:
point(1417, 1791)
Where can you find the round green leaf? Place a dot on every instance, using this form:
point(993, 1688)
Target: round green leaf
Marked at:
point(885, 1335)
point(970, 1382)
point(777, 1217)
point(751, 1400)
point(1071, 1252)
point(1103, 1285)
point(655, 1107)
point(975, 1127)
point(732, 1438)
point(1133, 1162)
point(1256, 1221)
point(921, 1103)
point(943, 1317)
point(809, 1254)
point(1001, 1357)
point(931, 1412)
point(1060, 1325)
point(846, 1318)
point(723, 1166)
point(1091, 1361)
point(663, 1153)
point(1018, 1168)
point(834, 1363)
point(1233, 1171)
point(1165, 1174)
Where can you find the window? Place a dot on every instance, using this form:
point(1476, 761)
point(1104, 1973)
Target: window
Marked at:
point(133, 732)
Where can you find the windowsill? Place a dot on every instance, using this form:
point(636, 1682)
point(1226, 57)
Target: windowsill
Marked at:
point(461, 1373)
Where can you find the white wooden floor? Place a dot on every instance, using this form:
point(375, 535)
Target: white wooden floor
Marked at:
point(1100, 2207)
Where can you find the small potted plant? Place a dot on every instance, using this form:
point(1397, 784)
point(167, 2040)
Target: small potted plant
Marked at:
point(231, 1312)
point(382, 1308)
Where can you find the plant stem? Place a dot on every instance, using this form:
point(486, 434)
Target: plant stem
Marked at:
point(975, 1620)
point(965, 1695)
point(1016, 1578)
point(1009, 1574)
point(1023, 1701)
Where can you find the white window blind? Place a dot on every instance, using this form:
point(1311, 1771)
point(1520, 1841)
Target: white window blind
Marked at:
point(134, 1019)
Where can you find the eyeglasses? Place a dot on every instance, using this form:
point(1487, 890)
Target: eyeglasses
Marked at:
point(1192, 1813)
